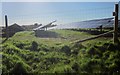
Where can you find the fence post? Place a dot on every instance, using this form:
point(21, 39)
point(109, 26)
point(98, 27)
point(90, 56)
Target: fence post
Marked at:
point(115, 35)
point(6, 26)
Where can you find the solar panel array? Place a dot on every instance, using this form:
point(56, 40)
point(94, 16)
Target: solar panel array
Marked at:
point(107, 22)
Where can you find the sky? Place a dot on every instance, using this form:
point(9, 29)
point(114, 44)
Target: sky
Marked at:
point(26, 13)
point(59, 0)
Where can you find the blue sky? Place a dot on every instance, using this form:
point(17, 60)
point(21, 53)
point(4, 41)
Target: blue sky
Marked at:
point(64, 12)
point(59, 0)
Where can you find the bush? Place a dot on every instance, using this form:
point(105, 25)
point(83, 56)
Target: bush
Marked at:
point(76, 67)
point(66, 49)
point(53, 60)
point(10, 49)
point(4, 70)
point(20, 45)
point(77, 45)
point(34, 46)
point(20, 68)
point(63, 69)
point(44, 48)
point(8, 61)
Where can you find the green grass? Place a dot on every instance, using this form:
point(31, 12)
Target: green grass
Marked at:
point(25, 53)
point(66, 37)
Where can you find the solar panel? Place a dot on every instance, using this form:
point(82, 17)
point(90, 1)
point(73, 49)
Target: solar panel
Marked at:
point(106, 22)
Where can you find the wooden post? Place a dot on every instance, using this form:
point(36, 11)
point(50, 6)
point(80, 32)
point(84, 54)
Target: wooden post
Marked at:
point(101, 28)
point(6, 26)
point(115, 35)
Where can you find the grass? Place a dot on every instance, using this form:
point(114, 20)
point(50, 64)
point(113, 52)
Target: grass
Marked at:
point(66, 37)
point(36, 55)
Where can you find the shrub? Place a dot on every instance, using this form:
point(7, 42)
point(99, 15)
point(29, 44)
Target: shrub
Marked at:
point(77, 45)
point(20, 45)
point(64, 69)
point(91, 51)
point(7, 61)
point(4, 70)
point(75, 67)
point(34, 46)
point(44, 48)
point(66, 49)
point(20, 68)
point(10, 48)
point(52, 60)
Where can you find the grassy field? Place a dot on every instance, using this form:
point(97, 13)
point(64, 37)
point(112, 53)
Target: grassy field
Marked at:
point(66, 37)
point(24, 53)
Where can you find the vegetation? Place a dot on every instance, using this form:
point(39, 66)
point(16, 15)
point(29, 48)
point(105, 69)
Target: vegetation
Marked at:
point(25, 54)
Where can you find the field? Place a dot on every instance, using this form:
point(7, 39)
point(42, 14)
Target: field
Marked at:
point(25, 53)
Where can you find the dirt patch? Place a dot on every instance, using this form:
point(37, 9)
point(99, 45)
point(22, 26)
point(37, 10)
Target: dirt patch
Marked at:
point(46, 34)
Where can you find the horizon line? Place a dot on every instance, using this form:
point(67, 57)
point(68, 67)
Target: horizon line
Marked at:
point(59, 24)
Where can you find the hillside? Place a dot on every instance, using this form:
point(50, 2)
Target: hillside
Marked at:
point(24, 53)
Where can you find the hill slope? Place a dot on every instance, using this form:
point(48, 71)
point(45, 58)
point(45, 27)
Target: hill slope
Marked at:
point(24, 53)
